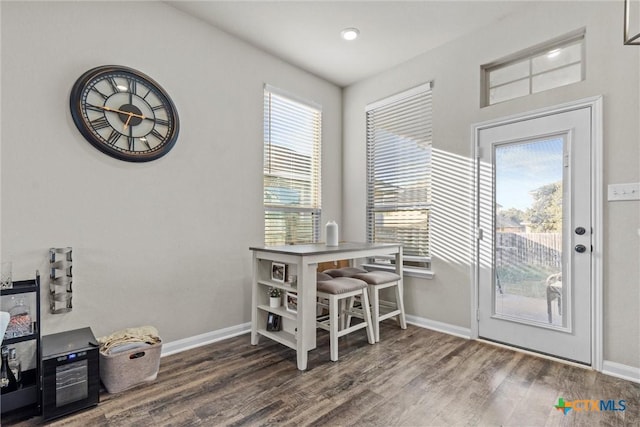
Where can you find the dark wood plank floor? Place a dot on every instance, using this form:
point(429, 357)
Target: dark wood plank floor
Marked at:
point(415, 377)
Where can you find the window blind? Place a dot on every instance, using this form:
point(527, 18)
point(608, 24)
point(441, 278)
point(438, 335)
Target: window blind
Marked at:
point(292, 139)
point(399, 134)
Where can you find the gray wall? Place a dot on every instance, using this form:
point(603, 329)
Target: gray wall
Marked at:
point(162, 243)
point(166, 243)
point(612, 70)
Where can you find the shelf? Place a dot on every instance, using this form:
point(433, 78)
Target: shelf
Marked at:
point(25, 395)
point(19, 398)
point(26, 399)
point(282, 337)
point(278, 285)
point(20, 287)
point(9, 341)
point(280, 311)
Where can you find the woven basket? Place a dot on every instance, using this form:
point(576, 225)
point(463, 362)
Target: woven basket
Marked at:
point(122, 371)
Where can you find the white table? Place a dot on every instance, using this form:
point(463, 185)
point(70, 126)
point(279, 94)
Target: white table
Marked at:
point(303, 259)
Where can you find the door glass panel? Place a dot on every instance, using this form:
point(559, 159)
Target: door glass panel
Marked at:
point(528, 231)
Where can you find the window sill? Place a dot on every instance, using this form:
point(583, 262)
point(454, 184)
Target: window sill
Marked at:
point(407, 271)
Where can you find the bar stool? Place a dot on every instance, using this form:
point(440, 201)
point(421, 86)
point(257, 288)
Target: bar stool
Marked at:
point(336, 291)
point(378, 280)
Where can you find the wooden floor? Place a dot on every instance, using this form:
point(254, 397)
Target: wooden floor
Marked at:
point(415, 377)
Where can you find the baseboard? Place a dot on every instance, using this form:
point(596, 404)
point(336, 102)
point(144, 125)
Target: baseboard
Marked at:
point(178, 346)
point(439, 326)
point(619, 370)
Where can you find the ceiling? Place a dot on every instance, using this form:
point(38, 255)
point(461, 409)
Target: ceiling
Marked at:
point(307, 33)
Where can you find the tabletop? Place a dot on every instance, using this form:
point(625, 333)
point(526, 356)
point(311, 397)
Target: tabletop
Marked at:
point(322, 248)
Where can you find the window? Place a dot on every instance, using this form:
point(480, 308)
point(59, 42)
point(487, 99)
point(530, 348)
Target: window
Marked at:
point(551, 65)
point(292, 137)
point(399, 173)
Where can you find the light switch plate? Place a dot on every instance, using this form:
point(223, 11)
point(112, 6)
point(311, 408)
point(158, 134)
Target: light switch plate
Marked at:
point(630, 191)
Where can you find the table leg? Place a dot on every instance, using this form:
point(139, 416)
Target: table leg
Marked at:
point(400, 289)
point(255, 338)
point(306, 339)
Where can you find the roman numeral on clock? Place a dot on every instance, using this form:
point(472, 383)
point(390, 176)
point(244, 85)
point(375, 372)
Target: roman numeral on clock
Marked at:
point(95, 89)
point(114, 137)
point(114, 84)
point(95, 108)
point(100, 123)
point(157, 135)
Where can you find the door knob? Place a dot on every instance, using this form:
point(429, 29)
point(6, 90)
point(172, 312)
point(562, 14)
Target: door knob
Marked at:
point(580, 231)
point(580, 248)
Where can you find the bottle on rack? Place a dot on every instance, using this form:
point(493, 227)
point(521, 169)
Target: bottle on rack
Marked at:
point(15, 365)
point(8, 381)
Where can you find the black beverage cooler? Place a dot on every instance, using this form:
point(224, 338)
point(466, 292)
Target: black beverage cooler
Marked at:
point(70, 372)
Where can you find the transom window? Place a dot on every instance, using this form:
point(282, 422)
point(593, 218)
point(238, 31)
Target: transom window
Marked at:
point(292, 140)
point(551, 65)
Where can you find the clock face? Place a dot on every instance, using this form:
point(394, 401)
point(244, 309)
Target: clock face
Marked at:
point(124, 113)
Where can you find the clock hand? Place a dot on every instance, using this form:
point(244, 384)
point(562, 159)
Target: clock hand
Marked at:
point(126, 124)
point(113, 110)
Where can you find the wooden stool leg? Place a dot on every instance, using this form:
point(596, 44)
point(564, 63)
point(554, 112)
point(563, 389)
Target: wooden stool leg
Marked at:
point(333, 326)
point(375, 311)
point(367, 316)
point(400, 304)
point(350, 305)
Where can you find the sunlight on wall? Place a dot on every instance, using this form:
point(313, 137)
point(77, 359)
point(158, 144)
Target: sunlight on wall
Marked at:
point(452, 207)
point(486, 214)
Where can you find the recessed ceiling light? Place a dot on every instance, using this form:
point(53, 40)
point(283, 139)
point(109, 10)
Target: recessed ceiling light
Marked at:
point(350, 33)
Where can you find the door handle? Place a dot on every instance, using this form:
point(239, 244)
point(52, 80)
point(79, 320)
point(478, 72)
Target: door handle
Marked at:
point(580, 248)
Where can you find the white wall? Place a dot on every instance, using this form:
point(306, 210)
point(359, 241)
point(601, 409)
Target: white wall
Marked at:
point(166, 243)
point(612, 70)
point(162, 243)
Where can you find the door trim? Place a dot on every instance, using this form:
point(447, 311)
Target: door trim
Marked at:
point(595, 104)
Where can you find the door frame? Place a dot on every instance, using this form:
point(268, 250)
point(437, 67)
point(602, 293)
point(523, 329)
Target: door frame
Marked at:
point(596, 107)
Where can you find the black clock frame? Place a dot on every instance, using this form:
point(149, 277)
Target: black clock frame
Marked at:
point(76, 103)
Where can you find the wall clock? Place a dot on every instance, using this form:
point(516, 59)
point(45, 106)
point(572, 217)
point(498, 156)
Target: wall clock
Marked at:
point(124, 113)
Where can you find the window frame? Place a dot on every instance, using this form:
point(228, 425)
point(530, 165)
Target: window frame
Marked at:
point(314, 208)
point(386, 263)
point(575, 37)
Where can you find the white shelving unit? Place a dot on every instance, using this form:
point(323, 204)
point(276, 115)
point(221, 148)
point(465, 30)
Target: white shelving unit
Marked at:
point(287, 335)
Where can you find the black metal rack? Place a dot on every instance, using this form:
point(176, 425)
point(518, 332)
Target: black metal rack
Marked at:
point(28, 397)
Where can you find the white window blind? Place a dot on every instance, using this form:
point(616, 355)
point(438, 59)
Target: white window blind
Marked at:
point(292, 138)
point(399, 172)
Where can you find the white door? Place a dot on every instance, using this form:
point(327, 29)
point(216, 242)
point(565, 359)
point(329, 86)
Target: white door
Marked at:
point(535, 233)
